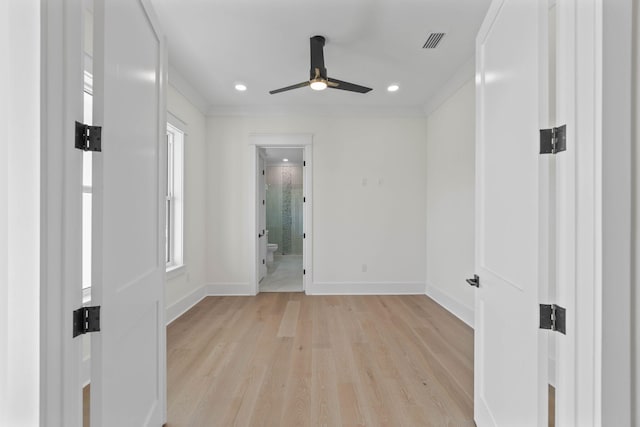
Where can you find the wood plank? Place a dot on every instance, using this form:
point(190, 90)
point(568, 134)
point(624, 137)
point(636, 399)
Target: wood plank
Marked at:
point(289, 320)
point(298, 360)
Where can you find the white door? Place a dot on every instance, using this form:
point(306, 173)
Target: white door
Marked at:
point(128, 355)
point(510, 356)
point(262, 217)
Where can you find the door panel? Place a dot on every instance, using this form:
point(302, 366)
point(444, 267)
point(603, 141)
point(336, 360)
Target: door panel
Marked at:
point(511, 49)
point(128, 362)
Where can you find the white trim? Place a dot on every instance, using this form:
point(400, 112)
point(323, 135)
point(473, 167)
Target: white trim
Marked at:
point(366, 288)
point(61, 193)
point(579, 207)
point(455, 307)
point(184, 304)
point(464, 74)
point(614, 207)
point(177, 122)
point(86, 370)
point(229, 289)
point(175, 270)
point(551, 371)
point(313, 110)
point(186, 89)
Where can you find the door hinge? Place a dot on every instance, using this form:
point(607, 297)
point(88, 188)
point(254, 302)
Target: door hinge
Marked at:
point(304, 200)
point(262, 171)
point(304, 163)
point(553, 140)
point(263, 262)
point(304, 272)
point(263, 202)
point(88, 138)
point(86, 319)
point(553, 317)
point(475, 281)
point(304, 235)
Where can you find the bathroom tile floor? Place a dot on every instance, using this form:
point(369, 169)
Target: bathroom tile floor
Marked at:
point(283, 275)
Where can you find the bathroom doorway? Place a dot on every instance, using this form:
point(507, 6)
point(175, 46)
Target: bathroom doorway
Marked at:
point(282, 184)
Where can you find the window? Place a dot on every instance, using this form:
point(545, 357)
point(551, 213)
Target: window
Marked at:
point(174, 256)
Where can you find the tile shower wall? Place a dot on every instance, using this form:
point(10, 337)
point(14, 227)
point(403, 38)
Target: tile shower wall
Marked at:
point(284, 208)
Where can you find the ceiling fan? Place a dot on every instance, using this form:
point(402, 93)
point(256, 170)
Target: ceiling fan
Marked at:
point(318, 74)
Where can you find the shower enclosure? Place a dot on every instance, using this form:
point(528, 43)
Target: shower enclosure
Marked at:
point(284, 208)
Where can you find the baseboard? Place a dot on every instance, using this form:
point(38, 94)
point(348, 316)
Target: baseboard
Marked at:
point(230, 289)
point(183, 305)
point(455, 307)
point(366, 288)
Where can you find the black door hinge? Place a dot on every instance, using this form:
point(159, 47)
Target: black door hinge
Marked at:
point(304, 272)
point(262, 171)
point(88, 138)
point(304, 200)
point(475, 281)
point(304, 235)
point(553, 317)
point(263, 262)
point(304, 163)
point(553, 140)
point(86, 319)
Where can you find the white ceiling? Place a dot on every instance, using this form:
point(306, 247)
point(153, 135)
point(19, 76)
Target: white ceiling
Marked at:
point(264, 44)
point(275, 155)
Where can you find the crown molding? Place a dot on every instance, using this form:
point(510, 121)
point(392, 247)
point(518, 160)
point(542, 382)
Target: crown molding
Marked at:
point(315, 111)
point(465, 73)
point(185, 88)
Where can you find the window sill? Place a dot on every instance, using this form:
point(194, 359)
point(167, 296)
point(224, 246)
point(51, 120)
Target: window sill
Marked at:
point(175, 271)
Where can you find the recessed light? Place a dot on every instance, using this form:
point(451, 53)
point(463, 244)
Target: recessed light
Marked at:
point(393, 88)
point(240, 87)
point(285, 160)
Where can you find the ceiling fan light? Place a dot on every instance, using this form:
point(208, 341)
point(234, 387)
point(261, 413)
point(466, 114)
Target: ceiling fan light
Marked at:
point(318, 85)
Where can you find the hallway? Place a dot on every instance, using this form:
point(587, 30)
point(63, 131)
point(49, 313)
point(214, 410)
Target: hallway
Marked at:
point(284, 274)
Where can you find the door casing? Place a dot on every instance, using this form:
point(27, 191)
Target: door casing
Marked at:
point(304, 141)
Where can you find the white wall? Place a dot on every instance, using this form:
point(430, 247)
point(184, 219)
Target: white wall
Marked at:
point(19, 212)
point(450, 202)
point(369, 204)
point(184, 288)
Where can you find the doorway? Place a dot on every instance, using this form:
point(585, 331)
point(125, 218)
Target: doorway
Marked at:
point(282, 251)
point(282, 215)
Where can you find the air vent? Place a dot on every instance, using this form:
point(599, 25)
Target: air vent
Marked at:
point(433, 40)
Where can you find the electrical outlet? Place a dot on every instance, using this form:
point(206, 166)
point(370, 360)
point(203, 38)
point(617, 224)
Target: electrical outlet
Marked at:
point(364, 268)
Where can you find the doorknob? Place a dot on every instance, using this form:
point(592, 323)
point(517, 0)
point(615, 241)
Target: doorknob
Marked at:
point(475, 281)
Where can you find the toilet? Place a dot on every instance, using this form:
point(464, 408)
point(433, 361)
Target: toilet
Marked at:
point(271, 248)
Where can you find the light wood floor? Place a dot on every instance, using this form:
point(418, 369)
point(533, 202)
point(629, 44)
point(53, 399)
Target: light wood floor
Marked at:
point(286, 359)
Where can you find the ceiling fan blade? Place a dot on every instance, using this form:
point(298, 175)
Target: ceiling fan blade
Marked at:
point(284, 89)
point(317, 56)
point(351, 87)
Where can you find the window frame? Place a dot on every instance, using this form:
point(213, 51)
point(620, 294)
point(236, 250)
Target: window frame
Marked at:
point(175, 252)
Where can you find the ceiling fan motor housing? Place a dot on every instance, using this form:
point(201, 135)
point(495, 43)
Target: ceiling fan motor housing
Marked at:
point(317, 58)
